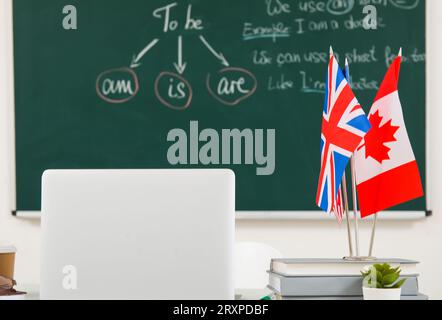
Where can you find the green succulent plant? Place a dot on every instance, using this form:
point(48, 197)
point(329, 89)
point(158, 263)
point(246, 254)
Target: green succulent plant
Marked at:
point(382, 276)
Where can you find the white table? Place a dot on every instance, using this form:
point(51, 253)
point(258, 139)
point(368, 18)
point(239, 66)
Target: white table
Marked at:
point(33, 293)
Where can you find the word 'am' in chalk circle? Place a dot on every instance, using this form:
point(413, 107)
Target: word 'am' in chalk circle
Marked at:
point(117, 85)
point(230, 146)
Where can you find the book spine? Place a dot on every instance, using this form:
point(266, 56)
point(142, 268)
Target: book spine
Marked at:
point(328, 286)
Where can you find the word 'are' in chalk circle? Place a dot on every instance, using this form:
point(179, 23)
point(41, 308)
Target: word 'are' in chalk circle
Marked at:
point(173, 90)
point(231, 85)
point(117, 85)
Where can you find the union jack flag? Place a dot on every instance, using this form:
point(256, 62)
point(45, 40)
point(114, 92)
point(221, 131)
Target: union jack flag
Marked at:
point(344, 125)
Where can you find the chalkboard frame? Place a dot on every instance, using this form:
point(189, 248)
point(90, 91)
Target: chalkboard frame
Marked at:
point(295, 215)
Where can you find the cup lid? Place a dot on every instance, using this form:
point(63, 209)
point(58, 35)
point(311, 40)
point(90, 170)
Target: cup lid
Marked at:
point(7, 249)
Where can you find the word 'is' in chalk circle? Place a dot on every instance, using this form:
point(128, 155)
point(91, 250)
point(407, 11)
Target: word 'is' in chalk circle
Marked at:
point(173, 90)
point(231, 85)
point(117, 85)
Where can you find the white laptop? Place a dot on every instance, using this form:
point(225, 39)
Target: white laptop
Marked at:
point(137, 234)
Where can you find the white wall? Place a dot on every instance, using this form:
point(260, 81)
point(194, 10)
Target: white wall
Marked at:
point(421, 240)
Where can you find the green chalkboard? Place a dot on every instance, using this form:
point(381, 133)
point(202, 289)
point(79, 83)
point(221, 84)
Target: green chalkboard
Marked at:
point(137, 82)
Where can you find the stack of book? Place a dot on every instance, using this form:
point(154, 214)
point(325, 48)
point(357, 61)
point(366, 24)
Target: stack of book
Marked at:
point(332, 279)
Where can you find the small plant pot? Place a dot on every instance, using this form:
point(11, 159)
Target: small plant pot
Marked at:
point(381, 294)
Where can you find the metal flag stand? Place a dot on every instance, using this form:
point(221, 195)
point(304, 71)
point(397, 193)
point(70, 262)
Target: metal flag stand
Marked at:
point(343, 190)
point(352, 256)
point(373, 232)
point(356, 257)
point(347, 217)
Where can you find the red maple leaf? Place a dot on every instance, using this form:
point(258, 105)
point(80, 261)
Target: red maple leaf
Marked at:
point(377, 137)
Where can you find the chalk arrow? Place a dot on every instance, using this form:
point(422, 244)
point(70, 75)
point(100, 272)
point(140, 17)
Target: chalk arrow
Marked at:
point(136, 58)
point(180, 66)
point(219, 55)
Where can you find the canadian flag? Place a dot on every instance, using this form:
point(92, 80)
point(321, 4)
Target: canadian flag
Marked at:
point(386, 169)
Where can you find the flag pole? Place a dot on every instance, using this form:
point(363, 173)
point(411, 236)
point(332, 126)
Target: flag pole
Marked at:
point(373, 228)
point(346, 207)
point(353, 178)
point(373, 232)
point(355, 204)
point(347, 217)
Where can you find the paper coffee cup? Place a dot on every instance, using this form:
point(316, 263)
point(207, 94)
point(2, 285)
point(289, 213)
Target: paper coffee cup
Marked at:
point(7, 261)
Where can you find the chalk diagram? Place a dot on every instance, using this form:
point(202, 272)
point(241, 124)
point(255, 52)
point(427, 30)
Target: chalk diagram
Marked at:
point(229, 85)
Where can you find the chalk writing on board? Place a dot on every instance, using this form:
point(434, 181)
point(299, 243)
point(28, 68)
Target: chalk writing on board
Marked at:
point(340, 7)
point(173, 90)
point(136, 58)
point(231, 85)
point(277, 7)
point(117, 85)
point(405, 4)
point(281, 84)
point(180, 66)
point(413, 57)
point(170, 23)
point(218, 55)
point(274, 31)
point(332, 10)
